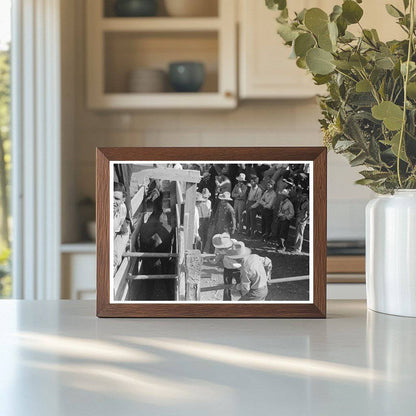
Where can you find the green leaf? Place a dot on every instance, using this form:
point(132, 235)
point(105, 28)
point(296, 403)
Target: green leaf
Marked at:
point(364, 181)
point(343, 145)
point(393, 11)
point(286, 32)
point(336, 12)
point(406, 4)
point(321, 79)
point(303, 43)
point(343, 65)
point(358, 61)
point(301, 63)
point(319, 61)
point(316, 20)
point(342, 25)
point(385, 63)
point(276, 4)
point(347, 37)
point(375, 35)
point(391, 114)
point(375, 175)
point(358, 160)
point(300, 17)
point(394, 145)
point(325, 43)
point(411, 90)
point(363, 86)
point(351, 11)
point(374, 150)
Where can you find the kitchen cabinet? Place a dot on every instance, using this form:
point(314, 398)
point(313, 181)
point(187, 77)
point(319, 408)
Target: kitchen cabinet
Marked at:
point(116, 46)
point(265, 70)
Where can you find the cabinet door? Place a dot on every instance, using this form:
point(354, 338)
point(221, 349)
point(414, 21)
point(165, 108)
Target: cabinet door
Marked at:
point(265, 68)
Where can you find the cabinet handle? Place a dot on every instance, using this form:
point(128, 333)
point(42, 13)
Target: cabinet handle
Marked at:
point(228, 94)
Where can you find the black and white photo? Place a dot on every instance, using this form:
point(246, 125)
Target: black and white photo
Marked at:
point(211, 232)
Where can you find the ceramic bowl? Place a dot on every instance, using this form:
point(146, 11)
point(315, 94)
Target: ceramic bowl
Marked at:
point(147, 80)
point(186, 76)
point(135, 8)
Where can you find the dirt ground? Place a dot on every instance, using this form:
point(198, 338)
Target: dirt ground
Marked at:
point(285, 264)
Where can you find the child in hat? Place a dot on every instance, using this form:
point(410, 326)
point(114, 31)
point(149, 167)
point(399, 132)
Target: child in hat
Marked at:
point(224, 245)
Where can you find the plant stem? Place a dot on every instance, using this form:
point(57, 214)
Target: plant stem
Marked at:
point(406, 80)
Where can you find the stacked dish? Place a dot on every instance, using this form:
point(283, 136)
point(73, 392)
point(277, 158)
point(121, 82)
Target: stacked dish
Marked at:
point(191, 8)
point(147, 80)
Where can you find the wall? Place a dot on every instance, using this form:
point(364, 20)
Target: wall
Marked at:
point(265, 123)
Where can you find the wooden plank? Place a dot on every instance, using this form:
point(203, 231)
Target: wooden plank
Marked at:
point(346, 264)
point(189, 217)
point(137, 200)
point(152, 276)
point(120, 281)
point(181, 264)
point(140, 254)
point(288, 279)
point(160, 24)
point(170, 174)
point(193, 264)
point(179, 197)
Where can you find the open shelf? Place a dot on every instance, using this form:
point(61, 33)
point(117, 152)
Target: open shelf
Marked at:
point(127, 51)
point(160, 24)
point(211, 9)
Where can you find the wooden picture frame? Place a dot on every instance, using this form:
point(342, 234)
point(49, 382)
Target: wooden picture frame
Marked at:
point(315, 308)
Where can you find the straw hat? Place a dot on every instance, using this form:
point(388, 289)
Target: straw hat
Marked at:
point(222, 240)
point(225, 196)
point(238, 250)
point(199, 197)
point(206, 193)
point(241, 177)
point(285, 192)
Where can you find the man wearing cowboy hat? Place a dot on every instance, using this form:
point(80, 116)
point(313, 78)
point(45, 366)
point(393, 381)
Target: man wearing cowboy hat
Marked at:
point(255, 272)
point(203, 205)
point(252, 206)
point(223, 219)
point(281, 223)
point(240, 195)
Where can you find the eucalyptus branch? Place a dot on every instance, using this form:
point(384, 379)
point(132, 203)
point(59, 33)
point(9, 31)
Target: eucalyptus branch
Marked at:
point(405, 81)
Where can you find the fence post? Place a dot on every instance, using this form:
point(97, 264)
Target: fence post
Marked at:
point(193, 264)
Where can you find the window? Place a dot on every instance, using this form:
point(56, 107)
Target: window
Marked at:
point(5, 147)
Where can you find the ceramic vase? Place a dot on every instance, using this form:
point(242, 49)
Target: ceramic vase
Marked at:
point(391, 253)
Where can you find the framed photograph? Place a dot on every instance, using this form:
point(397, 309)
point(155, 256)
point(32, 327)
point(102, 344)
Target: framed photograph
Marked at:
point(211, 232)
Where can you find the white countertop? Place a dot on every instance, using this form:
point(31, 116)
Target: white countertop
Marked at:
point(56, 358)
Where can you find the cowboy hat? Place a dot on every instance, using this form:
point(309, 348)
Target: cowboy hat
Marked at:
point(238, 250)
point(241, 177)
point(222, 240)
point(206, 193)
point(225, 196)
point(199, 197)
point(285, 192)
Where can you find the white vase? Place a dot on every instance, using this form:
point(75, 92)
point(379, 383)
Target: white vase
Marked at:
point(391, 253)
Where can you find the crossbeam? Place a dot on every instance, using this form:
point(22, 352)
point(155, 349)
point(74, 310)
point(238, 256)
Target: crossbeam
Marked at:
point(288, 279)
point(170, 174)
point(152, 276)
point(151, 255)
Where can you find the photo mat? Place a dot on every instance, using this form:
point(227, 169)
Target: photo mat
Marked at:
point(167, 246)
